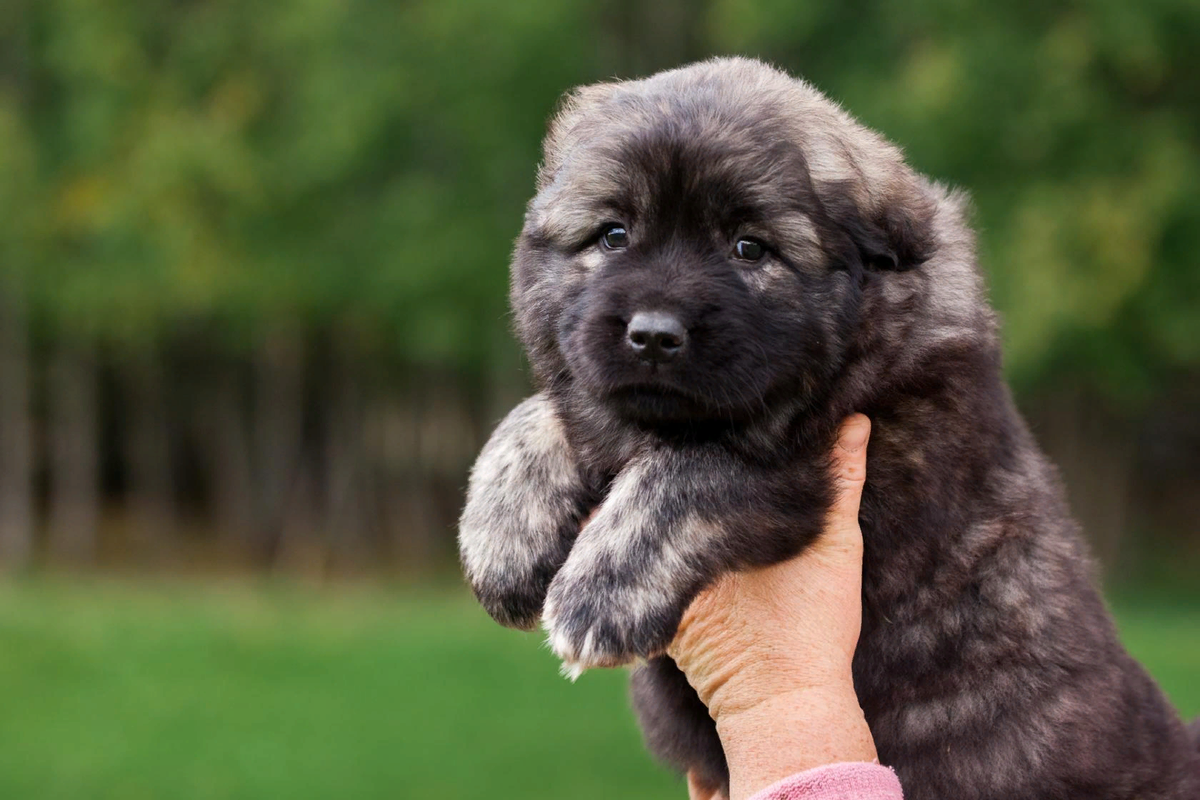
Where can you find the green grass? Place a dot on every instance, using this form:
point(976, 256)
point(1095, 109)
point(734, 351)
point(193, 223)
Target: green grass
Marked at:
point(111, 690)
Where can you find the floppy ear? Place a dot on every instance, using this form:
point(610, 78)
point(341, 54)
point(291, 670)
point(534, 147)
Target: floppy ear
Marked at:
point(565, 131)
point(892, 233)
point(869, 195)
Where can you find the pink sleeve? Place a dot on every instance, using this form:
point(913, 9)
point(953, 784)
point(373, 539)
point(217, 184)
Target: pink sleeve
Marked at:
point(850, 781)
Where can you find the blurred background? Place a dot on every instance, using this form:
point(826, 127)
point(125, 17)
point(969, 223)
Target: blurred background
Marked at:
point(253, 331)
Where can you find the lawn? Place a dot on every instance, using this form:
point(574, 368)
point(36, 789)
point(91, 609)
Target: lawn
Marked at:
point(114, 690)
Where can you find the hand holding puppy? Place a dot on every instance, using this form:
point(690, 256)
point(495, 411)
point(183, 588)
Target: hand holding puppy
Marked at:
point(769, 650)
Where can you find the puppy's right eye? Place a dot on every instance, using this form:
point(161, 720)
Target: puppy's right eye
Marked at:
point(750, 250)
point(615, 238)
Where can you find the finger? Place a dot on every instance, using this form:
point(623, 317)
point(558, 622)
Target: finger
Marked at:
point(850, 469)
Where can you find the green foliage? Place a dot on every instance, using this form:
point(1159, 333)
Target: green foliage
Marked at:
point(126, 691)
point(363, 165)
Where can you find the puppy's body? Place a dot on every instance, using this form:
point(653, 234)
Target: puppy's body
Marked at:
point(987, 665)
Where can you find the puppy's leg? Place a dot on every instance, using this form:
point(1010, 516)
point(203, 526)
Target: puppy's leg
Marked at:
point(525, 503)
point(673, 520)
point(676, 725)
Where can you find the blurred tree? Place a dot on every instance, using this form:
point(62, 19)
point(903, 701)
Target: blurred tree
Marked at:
point(254, 254)
point(73, 454)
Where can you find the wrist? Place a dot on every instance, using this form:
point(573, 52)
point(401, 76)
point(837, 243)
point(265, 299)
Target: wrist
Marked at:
point(791, 732)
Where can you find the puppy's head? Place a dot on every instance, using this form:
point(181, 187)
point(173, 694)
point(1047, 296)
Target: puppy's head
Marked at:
point(703, 242)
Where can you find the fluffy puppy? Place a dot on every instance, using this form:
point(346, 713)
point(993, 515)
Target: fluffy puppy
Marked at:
point(718, 266)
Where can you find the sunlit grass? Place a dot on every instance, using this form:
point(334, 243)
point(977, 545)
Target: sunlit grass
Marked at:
point(111, 690)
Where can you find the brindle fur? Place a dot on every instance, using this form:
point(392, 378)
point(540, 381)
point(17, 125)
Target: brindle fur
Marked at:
point(987, 666)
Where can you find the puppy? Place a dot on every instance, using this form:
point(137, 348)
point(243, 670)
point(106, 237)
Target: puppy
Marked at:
point(718, 266)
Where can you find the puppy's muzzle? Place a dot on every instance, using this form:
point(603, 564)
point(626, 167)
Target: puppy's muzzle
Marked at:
point(656, 336)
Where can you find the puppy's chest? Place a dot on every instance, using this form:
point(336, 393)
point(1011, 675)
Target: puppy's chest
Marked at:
point(602, 454)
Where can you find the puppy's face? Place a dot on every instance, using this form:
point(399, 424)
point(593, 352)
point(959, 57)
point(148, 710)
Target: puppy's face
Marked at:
point(686, 260)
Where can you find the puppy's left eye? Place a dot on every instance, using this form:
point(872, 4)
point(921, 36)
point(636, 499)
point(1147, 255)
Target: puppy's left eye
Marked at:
point(615, 237)
point(749, 250)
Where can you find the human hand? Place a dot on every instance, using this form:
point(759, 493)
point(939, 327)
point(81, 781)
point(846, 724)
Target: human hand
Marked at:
point(769, 650)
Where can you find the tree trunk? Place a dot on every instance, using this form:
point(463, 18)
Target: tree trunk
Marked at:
point(224, 447)
point(1094, 451)
point(16, 451)
point(344, 453)
point(150, 490)
point(73, 455)
point(278, 438)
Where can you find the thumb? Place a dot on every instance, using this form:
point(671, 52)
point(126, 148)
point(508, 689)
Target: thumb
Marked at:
point(849, 471)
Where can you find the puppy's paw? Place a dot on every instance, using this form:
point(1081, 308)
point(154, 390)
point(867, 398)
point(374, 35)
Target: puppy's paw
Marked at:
point(514, 600)
point(524, 507)
point(598, 619)
point(632, 571)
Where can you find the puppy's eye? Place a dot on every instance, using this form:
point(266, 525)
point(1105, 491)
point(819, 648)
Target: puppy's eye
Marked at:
point(615, 238)
point(749, 250)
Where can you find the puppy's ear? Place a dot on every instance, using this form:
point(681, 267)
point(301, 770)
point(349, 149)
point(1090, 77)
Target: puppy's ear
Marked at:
point(892, 233)
point(869, 195)
point(565, 128)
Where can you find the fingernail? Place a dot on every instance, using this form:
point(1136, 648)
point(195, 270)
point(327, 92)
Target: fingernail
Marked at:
point(854, 433)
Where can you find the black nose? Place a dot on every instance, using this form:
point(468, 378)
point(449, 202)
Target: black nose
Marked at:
point(656, 335)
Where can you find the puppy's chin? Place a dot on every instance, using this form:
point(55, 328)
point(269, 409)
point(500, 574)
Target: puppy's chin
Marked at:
point(649, 404)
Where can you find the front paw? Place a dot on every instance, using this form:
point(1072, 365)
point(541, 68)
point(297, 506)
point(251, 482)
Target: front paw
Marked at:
point(601, 619)
point(524, 506)
point(512, 546)
point(514, 599)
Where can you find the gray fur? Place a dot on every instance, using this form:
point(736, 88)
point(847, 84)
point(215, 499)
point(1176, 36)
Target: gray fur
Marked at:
point(524, 508)
point(987, 666)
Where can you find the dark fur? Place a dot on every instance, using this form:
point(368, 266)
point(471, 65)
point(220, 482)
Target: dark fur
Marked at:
point(987, 665)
